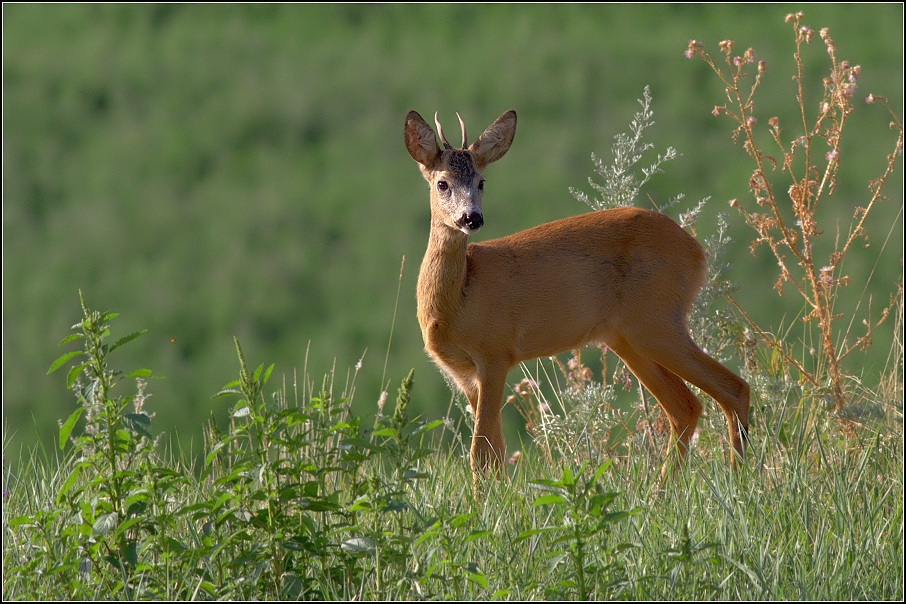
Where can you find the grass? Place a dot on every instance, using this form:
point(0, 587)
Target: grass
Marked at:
point(299, 499)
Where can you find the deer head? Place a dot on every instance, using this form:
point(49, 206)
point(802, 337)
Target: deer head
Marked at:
point(455, 175)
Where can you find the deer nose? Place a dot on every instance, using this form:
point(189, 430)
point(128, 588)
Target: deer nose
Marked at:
point(473, 221)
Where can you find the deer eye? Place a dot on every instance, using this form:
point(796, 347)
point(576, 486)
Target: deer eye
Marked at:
point(442, 185)
point(481, 185)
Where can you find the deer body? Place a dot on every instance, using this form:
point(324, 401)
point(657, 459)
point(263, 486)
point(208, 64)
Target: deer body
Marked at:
point(625, 277)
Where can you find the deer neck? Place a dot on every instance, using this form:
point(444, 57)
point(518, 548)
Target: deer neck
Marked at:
point(442, 275)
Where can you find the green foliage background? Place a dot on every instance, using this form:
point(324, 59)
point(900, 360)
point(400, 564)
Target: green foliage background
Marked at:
point(212, 171)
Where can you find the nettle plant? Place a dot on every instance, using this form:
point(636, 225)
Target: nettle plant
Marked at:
point(810, 159)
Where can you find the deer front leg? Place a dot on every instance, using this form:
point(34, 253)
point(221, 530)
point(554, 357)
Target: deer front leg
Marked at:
point(488, 447)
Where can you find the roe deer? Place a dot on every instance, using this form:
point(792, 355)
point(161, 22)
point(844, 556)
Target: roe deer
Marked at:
point(624, 277)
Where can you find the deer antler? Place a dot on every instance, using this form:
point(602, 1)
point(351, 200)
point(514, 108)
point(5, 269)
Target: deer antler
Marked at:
point(462, 126)
point(440, 133)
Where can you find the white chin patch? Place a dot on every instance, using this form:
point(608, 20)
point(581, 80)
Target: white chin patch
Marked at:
point(467, 230)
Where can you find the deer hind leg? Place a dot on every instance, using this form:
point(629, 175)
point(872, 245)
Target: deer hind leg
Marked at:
point(680, 405)
point(679, 354)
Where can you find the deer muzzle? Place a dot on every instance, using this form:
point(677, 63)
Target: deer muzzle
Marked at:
point(470, 222)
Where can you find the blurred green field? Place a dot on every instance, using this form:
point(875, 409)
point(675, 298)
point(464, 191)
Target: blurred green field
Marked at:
point(222, 170)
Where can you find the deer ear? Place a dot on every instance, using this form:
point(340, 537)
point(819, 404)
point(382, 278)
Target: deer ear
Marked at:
point(420, 140)
point(496, 140)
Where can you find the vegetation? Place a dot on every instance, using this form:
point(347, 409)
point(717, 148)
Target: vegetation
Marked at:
point(813, 180)
point(213, 171)
point(300, 499)
point(297, 495)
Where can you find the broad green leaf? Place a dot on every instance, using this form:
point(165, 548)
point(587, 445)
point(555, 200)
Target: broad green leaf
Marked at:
point(478, 579)
point(73, 375)
point(554, 559)
point(62, 360)
point(358, 545)
point(460, 519)
point(104, 524)
point(318, 505)
point(70, 338)
point(569, 478)
point(550, 500)
point(604, 467)
point(67, 484)
point(214, 451)
point(478, 535)
point(126, 339)
point(140, 495)
point(127, 525)
point(66, 428)
point(532, 532)
point(227, 392)
point(429, 426)
point(20, 520)
point(361, 504)
point(85, 567)
point(139, 373)
point(139, 423)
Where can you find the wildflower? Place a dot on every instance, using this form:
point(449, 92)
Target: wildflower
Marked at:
point(807, 33)
point(870, 99)
point(717, 110)
point(726, 46)
point(831, 155)
point(625, 379)
point(854, 73)
point(751, 121)
point(737, 61)
point(734, 203)
point(749, 56)
point(826, 277)
point(693, 47)
point(762, 67)
point(514, 458)
point(381, 400)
